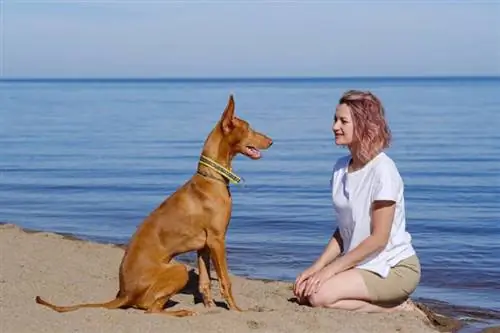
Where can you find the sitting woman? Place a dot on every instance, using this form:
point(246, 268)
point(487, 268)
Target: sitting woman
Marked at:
point(369, 264)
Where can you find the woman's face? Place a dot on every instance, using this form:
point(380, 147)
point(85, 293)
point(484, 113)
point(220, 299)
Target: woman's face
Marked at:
point(343, 126)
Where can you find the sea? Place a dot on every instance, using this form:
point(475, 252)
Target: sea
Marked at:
point(92, 158)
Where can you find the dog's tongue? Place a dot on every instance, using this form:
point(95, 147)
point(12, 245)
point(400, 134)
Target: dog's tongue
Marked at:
point(252, 152)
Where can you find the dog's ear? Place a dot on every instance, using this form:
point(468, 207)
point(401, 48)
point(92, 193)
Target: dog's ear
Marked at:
point(228, 116)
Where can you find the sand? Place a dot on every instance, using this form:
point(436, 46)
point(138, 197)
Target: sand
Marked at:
point(66, 271)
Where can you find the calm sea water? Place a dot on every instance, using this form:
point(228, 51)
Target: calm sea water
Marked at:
point(93, 158)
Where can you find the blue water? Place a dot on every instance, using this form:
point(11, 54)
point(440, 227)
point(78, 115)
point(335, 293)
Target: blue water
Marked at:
point(93, 158)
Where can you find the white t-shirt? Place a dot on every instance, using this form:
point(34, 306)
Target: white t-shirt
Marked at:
point(353, 194)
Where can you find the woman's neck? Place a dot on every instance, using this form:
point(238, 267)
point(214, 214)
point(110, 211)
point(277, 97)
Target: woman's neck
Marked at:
point(355, 163)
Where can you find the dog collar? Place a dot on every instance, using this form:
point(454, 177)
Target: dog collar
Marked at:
point(204, 174)
point(228, 174)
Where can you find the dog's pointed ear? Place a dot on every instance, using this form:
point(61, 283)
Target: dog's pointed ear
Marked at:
point(228, 116)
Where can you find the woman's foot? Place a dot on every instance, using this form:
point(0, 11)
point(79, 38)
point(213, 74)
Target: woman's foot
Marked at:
point(409, 306)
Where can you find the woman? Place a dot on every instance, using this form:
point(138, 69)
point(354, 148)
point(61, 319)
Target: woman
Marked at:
point(369, 264)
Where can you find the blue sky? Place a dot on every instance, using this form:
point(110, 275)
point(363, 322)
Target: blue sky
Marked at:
point(248, 38)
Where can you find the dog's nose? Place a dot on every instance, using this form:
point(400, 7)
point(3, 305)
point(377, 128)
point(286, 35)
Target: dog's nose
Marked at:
point(270, 142)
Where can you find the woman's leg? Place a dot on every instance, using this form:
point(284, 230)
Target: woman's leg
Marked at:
point(361, 290)
point(362, 306)
point(347, 291)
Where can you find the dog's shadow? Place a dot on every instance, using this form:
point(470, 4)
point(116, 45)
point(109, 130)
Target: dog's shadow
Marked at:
point(191, 288)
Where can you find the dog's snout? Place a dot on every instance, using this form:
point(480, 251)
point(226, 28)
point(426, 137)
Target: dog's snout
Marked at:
point(270, 142)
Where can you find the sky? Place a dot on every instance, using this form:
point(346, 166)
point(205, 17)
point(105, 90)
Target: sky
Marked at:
point(308, 38)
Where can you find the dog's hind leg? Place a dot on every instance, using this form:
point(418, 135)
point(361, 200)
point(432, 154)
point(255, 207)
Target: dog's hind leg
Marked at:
point(157, 308)
point(171, 280)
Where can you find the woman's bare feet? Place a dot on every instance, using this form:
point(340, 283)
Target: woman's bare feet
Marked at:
point(409, 306)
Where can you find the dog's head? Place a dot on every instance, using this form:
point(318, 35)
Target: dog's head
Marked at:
point(240, 136)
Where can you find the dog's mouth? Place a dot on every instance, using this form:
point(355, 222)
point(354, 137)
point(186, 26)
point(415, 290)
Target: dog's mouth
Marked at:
point(252, 152)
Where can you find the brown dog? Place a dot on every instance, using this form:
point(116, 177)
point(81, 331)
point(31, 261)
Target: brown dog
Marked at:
point(195, 217)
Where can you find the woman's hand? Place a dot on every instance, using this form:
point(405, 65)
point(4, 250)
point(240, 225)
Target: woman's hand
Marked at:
point(316, 281)
point(331, 252)
point(299, 285)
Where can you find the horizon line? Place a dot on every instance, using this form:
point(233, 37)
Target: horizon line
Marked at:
point(244, 78)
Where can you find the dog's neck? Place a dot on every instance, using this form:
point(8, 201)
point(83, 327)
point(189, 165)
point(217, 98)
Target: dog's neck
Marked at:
point(219, 151)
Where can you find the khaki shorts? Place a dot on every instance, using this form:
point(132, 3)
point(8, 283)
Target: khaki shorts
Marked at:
point(398, 285)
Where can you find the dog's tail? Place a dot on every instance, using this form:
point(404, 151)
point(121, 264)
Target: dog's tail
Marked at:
point(114, 304)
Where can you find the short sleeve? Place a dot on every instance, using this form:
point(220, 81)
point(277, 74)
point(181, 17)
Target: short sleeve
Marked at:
point(388, 183)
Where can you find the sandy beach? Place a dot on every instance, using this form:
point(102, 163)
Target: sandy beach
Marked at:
point(67, 271)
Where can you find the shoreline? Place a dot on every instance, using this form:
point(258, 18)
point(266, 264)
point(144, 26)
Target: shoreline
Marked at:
point(265, 296)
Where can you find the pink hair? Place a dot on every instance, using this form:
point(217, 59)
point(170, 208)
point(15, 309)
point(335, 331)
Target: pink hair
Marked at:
point(371, 132)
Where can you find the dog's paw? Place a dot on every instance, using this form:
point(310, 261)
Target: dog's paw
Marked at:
point(186, 313)
point(209, 303)
point(235, 308)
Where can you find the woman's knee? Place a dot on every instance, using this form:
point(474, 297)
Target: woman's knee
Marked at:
point(320, 300)
point(345, 285)
point(327, 295)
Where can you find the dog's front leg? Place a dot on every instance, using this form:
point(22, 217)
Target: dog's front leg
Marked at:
point(218, 254)
point(204, 283)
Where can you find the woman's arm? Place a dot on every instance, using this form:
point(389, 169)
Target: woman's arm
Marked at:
point(381, 223)
point(331, 251)
point(382, 217)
